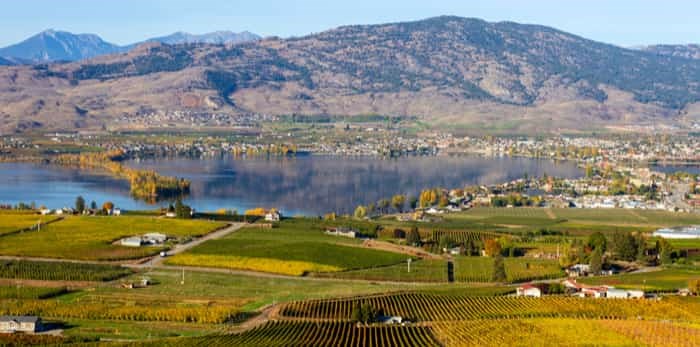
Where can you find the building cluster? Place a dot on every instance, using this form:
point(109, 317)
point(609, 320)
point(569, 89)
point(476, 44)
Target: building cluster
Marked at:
point(192, 119)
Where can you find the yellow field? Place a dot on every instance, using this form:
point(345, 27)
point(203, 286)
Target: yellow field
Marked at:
point(287, 267)
point(11, 222)
point(91, 238)
point(566, 332)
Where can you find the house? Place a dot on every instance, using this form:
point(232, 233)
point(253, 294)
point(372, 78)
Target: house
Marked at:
point(578, 270)
point(273, 216)
point(134, 241)
point(342, 231)
point(45, 211)
point(614, 293)
point(392, 320)
point(171, 214)
point(116, 212)
point(528, 290)
point(593, 292)
point(24, 324)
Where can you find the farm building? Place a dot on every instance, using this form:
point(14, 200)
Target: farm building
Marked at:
point(273, 216)
point(688, 232)
point(578, 270)
point(342, 231)
point(144, 240)
point(134, 241)
point(529, 290)
point(24, 324)
point(392, 320)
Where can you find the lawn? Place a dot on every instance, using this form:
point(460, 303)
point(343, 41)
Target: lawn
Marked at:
point(666, 280)
point(295, 248)
point(92, 238)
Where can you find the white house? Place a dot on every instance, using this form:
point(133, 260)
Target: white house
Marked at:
point(273, 216)
point(116, 211)
point(134, 241)
point(342, 231)
point(154, 238)
point(24, 324)
point(170, 214)
point(392, 320)
point(528, 290)
point(614, 293)
point(45, 211)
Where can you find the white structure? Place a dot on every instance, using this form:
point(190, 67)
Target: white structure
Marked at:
point(528, 290)
point(117, 212)
point(134, 241)
point(273, 216)
point(170, 214)
point(392, 320)
point(614, 293)
point(45, 211)
point(24, 324)
point(689, 232)
point(154, 238)
point(342, 231)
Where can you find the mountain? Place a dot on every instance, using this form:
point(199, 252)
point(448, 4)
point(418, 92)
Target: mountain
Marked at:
point(52, 45)
point(691, 51)
point(454, 73)
point(217, 37)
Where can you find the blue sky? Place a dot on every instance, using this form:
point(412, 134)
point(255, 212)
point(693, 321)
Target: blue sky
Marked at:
point(622, 22)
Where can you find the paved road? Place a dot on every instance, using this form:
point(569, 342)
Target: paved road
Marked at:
point(179, 248)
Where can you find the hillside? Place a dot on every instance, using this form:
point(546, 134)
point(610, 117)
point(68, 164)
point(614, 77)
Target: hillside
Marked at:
point(691, 51)
point(457, 73)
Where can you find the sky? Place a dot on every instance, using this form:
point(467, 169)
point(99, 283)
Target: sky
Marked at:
point(621, 22)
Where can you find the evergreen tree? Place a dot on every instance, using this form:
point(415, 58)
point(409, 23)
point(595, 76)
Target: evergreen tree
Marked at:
point(596, 263)
point(499, 269)
point(79, 204)
point(413, 237)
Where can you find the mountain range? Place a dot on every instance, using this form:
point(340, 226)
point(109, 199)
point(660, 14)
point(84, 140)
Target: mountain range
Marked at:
point(53, 45)
point(459, 74)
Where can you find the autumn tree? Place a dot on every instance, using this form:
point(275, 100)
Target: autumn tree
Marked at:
point(492, 248)
point(398, 201)
point(360, 212)
point(107, 207)
point(596, 262)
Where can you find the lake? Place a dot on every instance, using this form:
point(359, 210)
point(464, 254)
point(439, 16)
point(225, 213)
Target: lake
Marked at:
point(309, 185)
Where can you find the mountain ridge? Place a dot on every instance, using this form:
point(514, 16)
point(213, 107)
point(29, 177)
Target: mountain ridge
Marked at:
point(449, 72)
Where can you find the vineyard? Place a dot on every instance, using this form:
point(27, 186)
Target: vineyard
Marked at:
point(13, 222)
point(60, 271)
point(480, 269)
point(463, 237)
point(91, 238)
point(423, 270)
point(210, 312)
point(548, 331)
point(430, 307)
point(290, 249)
point(23, 292)
point(318, 334)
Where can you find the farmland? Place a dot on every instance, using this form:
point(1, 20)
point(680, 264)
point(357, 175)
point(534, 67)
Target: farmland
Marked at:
point(92, 238)
point(13, 221)
point(666, 280)
point(480, 269)
point(60, 271)
point(290, 249)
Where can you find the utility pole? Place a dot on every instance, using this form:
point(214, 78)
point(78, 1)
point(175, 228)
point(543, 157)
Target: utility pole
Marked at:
point(408, 262)
point(183, 276)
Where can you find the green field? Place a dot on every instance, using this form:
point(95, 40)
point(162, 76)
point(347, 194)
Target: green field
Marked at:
point(92, 238)
point(424, 270)
point(295, 248)
point(60, 271)
point(666, 280)
point(480, 269)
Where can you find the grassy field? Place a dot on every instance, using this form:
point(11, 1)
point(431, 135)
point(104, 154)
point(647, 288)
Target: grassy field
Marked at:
point(91, 238)
point(11, 221)
point(666, 280)
point(425, 270)
point(295, 248)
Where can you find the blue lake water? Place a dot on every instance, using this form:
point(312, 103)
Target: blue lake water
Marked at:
point(309, 185)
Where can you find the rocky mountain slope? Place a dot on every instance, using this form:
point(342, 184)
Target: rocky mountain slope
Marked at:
point(52, 45)
point(451, 72)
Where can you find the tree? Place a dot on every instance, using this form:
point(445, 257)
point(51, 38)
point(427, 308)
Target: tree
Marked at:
point(596, 263)
point(383, 205)
point(499, 269)
point(623, 246)
point(492, 248)
point(446, 242)
point(107, 206)
point(397, 201)
point(356, 315)
point(566, 258)
point(598, 241)
point(79, 204)
point(413, 237)
point(641, 248)
point(665, 251)
point(182, 210)
point(413, 202)
point(93, 205)
point(443, 202)
point(360, 212)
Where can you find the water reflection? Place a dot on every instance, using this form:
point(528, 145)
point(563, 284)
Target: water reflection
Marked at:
point(309, 185)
